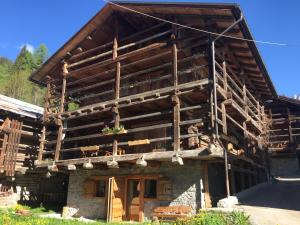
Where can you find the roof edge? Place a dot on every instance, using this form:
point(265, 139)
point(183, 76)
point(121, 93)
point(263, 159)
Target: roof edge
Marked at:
point(252, 45)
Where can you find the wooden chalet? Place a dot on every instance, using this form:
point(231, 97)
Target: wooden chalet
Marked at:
point(284, 135)
point(145, 113)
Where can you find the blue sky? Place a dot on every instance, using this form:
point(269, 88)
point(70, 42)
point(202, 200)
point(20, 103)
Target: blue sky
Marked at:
point(32, 22)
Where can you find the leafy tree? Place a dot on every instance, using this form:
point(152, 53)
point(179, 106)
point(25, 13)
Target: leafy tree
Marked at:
point(40, 55)
point(16, 85)
point(5, 69)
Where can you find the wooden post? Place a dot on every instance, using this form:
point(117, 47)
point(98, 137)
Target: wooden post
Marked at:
point(141, 199)
point(175, 98)
point(61, 110)
point(258, 111)
point(176, 121)
point(117, 94)
point(289, 125)
point(174, 52)
point(43, 135)
point(245, 99)
point(207, 198)
point(225, 77)
point(232, 181)
point(245, 130)
point(42, 143)
point(224, 121)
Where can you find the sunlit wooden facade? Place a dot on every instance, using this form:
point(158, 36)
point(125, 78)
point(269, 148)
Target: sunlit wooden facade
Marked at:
point(132, 91)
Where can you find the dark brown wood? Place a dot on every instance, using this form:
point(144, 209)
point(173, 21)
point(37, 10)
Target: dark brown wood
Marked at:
point(176, 123)
point(289, 125)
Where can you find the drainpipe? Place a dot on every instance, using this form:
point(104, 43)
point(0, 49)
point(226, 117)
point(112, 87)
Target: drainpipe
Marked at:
point(215, 100)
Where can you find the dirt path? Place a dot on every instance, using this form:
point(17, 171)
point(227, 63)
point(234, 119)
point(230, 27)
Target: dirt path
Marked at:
point(277, 203)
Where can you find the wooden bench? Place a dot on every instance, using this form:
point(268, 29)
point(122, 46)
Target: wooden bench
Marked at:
point(171, 213)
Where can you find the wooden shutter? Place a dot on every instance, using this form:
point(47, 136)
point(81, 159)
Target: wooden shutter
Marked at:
point(89, 188)
point(164, 189)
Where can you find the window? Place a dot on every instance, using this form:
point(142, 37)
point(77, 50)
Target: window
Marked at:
point(150, 189)
point(100, 188)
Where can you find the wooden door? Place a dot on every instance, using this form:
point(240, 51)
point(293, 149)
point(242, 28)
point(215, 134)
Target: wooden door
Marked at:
point(115, 203)
point(135, 200)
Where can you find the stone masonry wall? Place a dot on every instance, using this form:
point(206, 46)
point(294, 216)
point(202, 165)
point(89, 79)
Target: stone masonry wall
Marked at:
point(283, 165)
point(185, 188)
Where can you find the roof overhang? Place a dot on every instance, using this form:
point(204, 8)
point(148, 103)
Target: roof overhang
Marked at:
point(154, 7)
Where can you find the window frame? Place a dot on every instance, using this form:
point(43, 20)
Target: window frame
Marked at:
point(97, 186)
point(147, 198)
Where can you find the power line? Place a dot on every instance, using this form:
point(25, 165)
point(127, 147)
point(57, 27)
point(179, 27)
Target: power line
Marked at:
point(194, 28)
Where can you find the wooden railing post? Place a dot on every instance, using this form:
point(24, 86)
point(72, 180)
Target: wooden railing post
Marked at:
point(61, 110)
point(245, 99)
point(224, 116)
point(225, 77)
point(259, 115)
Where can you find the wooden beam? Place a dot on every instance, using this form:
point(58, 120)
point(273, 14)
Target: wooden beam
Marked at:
point(111, 43)
point(175, 98)
point(45, 115)
point(62, 108)
point(116, 114)
point(161, 156)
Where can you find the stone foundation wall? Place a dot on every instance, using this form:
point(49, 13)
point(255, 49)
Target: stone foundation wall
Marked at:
point(185, 188)
point(283, 165)
point(9, 200)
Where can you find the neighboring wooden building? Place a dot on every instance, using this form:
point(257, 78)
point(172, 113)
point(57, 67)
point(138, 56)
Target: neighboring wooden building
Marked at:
point(20, 126)
point(284, 135)
point(20, 131)
point(143, 113)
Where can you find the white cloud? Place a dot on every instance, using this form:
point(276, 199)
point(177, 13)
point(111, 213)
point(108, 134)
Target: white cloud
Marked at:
point(29, 47)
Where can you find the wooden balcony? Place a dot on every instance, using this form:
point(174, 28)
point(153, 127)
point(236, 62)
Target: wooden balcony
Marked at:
point(156, 90)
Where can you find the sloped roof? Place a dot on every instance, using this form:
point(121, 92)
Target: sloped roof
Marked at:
point(258, 72)
point(19, 107)
point(289, 100)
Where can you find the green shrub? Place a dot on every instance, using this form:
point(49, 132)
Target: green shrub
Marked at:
point(216, 218)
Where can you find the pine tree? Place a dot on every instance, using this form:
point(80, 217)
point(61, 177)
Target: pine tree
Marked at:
point(17, 84)
point(24, 61)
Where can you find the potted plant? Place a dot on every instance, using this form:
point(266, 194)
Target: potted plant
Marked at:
point(107, 131)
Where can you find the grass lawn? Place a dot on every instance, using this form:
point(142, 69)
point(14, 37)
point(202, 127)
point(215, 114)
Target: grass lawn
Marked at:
point(10, 217)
